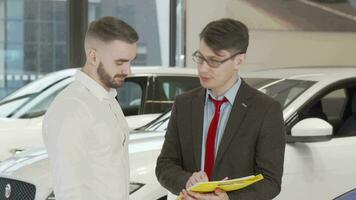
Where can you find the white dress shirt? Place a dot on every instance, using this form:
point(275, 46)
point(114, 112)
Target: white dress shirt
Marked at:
point(86, 135)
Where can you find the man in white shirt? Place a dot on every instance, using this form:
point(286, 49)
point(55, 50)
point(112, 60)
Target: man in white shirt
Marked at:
point(84, 129)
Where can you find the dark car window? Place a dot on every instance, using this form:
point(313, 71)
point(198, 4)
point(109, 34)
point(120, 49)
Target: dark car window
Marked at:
point(166, 89)
point(331, 106)
point(173, 86)
point(130, 97)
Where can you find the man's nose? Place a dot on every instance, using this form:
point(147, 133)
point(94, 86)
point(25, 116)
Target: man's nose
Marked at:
point(203, 66)
point(127, 68)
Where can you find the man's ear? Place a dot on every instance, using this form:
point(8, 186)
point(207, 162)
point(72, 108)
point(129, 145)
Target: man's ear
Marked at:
point(93, 57)
point(239, 59)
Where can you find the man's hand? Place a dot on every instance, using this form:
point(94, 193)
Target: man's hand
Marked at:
point(218, 194)
point(197, 177)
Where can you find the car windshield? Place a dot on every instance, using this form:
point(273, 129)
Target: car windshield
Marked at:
point(34, 104)
point(282, 90)
point(41, 84)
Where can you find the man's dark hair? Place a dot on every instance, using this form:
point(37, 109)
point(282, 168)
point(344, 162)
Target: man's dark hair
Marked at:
point(226, 34)
point(110, 28)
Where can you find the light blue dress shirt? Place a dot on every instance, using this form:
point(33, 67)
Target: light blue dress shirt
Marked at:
point(209, 111)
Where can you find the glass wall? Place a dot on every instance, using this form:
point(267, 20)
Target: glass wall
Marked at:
point(150, 18)
point(33, 41)
point(34, 35)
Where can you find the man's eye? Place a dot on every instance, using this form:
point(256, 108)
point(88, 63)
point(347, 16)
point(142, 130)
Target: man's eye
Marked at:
point(119, 63)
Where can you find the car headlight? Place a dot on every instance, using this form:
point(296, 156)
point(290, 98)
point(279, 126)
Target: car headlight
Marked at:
point(133, 188)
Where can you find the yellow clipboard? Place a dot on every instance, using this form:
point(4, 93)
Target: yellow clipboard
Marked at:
point(227, 185)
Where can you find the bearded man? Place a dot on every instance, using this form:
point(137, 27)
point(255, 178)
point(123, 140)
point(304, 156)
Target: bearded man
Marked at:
point(84, 130)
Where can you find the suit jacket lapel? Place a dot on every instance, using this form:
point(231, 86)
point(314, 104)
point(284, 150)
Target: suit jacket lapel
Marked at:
point(236, 117)
point(198, 102)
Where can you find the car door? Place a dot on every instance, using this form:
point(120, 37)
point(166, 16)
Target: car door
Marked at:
point(324, 169)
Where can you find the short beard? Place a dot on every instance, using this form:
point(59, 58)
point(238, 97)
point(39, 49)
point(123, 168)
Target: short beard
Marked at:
point(106, 79)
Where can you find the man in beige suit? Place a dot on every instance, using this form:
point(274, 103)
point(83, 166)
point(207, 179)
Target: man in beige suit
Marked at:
point(224, 129)
point(84, 130)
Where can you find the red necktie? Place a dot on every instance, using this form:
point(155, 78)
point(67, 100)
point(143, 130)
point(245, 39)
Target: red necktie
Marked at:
point(210, 141)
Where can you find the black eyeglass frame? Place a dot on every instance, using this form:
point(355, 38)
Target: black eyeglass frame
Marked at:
point(196, 58)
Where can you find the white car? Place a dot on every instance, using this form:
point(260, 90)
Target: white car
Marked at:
point(146, 93)
point(319, 108)
point(142, 145)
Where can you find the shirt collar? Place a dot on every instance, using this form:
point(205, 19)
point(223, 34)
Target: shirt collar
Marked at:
point(95, 88)
point(230, 94)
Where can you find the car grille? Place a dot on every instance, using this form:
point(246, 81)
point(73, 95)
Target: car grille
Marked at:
point(16, 190)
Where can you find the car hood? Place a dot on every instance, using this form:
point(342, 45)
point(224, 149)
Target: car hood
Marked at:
point(35, 160)
point(136, 121)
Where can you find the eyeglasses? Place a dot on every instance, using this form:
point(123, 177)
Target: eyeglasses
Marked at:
point(199, 59)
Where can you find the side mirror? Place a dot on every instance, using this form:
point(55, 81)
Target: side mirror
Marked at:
point(311, 130)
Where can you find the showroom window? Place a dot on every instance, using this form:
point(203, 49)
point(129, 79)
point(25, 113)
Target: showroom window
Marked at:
point(152, 15)
point(33, 41)
point(38, 36)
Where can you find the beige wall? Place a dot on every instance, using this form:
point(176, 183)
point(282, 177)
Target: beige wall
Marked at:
point(198, 14)
point(275, 47)
point(280, 48)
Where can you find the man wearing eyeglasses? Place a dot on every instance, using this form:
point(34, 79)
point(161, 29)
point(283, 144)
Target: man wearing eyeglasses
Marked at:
point(226, 129)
